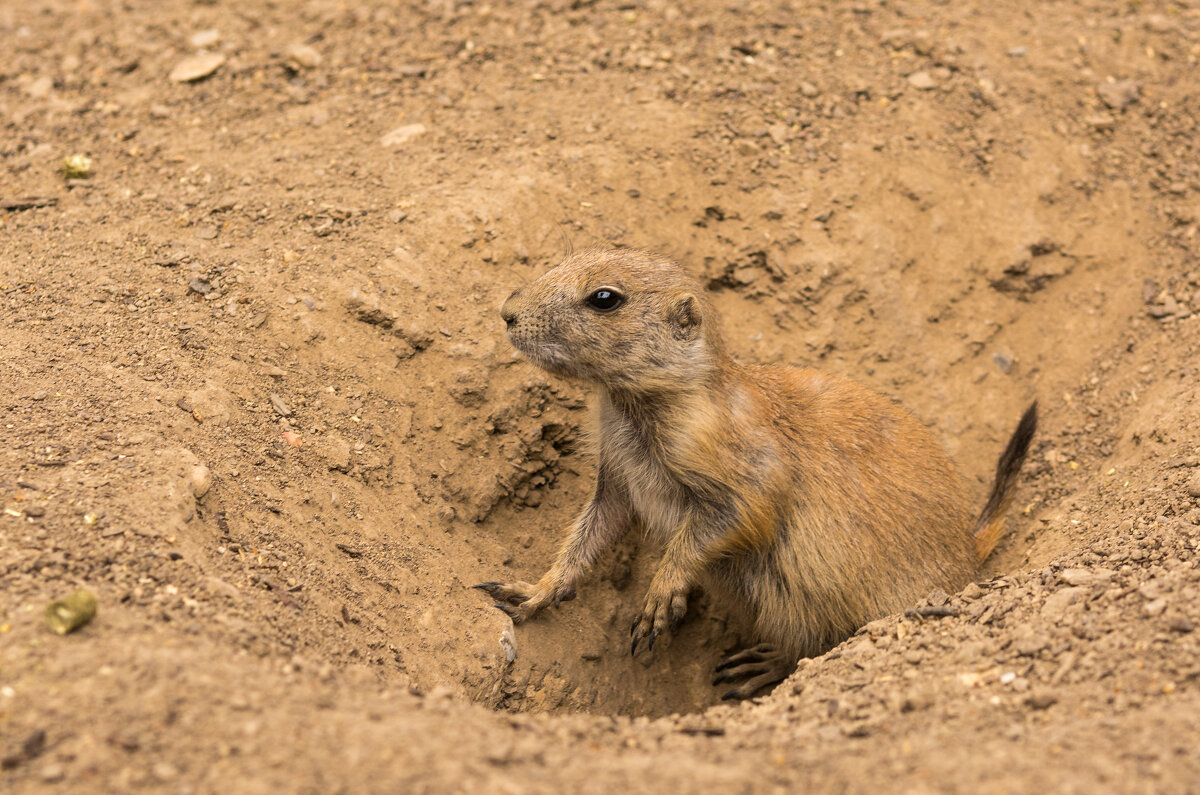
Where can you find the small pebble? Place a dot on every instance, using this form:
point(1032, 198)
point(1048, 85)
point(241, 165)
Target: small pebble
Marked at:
point(1120, 94)
point(303, 56)
point(204, 38)
point(280, 407)
point(922, 81)
point(200, 479)
point(1193, 486)
point(196, 67)
point(1040, 699)
point(403, 135)
point(1181, 624)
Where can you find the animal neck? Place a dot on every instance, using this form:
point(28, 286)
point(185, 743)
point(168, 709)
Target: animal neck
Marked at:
point(676, 401)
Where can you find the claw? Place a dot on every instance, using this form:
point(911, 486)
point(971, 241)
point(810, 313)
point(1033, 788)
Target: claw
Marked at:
point(486, 586)
point(633, 647)
point(653, 637)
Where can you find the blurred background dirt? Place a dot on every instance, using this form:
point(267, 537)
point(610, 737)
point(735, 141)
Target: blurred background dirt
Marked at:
point(256, 394)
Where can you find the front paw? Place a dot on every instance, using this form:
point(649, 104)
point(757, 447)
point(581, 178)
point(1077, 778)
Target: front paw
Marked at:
point(664, 609)
point(521, 600)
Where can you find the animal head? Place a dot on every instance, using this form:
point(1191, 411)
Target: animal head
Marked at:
point(630, 321)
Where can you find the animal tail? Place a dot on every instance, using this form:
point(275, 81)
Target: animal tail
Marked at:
point(989, 528)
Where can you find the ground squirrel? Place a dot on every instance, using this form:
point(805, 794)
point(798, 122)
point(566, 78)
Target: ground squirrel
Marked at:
point(810, 502)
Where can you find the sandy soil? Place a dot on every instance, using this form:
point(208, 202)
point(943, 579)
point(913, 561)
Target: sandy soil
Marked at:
point(257, 397)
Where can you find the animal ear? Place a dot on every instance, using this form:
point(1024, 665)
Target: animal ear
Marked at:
point(684, 316)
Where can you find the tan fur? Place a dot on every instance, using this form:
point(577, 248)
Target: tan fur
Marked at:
point(808, 501)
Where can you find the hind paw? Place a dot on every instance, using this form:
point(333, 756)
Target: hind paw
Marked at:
point(759, 666)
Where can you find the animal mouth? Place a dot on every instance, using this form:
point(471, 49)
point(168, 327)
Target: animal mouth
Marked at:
point(546, 356)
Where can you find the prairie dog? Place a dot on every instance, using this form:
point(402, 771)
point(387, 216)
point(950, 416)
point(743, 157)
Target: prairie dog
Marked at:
point(808, 501)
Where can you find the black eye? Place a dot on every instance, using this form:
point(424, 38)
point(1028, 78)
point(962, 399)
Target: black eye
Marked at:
point(606, 299)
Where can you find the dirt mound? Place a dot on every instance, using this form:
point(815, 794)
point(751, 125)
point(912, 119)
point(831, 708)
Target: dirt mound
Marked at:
point(258, 399)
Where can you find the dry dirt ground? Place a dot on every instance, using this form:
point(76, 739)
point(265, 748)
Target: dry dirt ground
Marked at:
point(256, 394)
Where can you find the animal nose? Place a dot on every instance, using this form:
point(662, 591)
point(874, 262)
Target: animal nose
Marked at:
point(508, 311)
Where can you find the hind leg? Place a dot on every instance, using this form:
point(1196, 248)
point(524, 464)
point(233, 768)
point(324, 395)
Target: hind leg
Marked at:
point(759, 666)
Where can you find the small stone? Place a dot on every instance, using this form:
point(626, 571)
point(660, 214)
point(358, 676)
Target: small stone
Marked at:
point(204, 38)
point(1181, 624)
point(303, 56)
point(40, 88)
point(1101, 122)
point(200, 286)
point(199, 478)
point(972, 591)
point(165, 771)
point(1155, 607)
point(280, 407)
point(1018, 52)
point(403, 135)
point(1157, 23)
point(218, 587)
point(1086, 577)
point(1193, 485)
point(53, 772)
point(917, 700)
point(1030, 645)
point(39, 395)
point(77, 166)
point(778, 133)
point(396, 216)
point(1120, 94)
point(809, 90)
point(747, 148)
point(1057, 603)
point(922, 81)
point(1003, 361)
point(1040, 699)
point(206, 232)
point(196, 67)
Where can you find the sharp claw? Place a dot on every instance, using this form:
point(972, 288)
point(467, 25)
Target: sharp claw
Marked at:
point(633, 647)
point(486, 586)
point(633, 627)
point(653, 637)
point(732, 695)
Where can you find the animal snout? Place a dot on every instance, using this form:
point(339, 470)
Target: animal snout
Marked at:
point(508, 310)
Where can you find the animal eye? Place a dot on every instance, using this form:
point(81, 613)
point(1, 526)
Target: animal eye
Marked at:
point(606, 299)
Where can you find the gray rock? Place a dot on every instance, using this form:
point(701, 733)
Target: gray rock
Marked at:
point(1120, 94)
point(280, 407)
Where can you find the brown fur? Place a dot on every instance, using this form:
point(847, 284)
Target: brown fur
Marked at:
point(809, 501)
